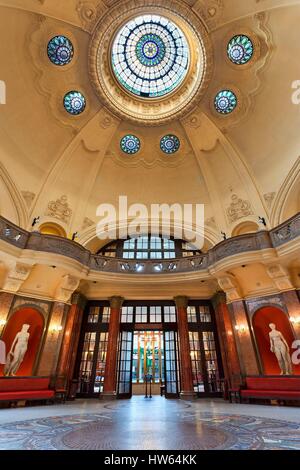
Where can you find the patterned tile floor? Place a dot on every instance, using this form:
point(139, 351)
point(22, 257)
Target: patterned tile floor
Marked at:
point(150, 424)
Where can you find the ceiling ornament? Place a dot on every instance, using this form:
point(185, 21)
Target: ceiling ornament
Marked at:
point(269, 198)
point(178, 102)
point(210, 11)
point(89, 12)
point(29, 197)
point(87, 223)
point(60, 209)
point(238, 209)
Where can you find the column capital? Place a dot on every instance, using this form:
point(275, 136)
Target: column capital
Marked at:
point(79, 299)
point(116, 302)
point(181, 301)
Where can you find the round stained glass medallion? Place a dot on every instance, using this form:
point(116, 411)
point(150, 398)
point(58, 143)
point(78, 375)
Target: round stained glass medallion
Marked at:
point(240, 49)
point(74, 102)
point(150, 56)
point(170, 144)
point(225, 102)
point(60, 50)
point(130, 144)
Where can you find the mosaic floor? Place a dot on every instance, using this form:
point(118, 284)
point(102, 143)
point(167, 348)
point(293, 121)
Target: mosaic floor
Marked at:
point(140, 424)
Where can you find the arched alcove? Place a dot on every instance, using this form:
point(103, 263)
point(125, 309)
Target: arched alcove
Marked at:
point(35, 320)
point(245, 227)
point(51, 228)
point(261, 321)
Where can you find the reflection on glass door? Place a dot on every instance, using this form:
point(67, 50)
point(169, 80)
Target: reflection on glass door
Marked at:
point(148, 356)
point(125, 364)
point(171, 365)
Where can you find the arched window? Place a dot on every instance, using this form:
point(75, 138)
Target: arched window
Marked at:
point(149, 247)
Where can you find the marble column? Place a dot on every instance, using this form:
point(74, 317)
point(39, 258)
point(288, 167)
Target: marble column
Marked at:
point(110, 380)
point(68, 353)
point(187, 389)
point(292, 304)
point(244, 341)
point(229, 352)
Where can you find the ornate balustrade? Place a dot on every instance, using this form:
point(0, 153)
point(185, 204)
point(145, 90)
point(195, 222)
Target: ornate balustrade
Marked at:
point(35, 241)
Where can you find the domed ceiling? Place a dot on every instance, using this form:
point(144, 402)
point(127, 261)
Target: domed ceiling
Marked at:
point(162, 100)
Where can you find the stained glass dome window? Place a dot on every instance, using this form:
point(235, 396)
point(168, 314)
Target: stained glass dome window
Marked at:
point(60, 50)
point(150, 56)
point(170, 144)
point(130, 144)
point(225, 102)
point(74, 102)
point(240, 49)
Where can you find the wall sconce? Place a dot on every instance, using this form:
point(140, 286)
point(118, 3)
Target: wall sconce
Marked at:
point(240, 328)
point(295, 320)
point(2, 325)
point(56, 329)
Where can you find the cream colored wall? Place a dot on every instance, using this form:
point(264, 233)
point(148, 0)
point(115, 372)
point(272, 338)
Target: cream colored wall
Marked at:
point(45, 153)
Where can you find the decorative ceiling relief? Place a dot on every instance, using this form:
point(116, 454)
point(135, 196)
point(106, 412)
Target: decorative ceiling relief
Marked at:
point(54, 52)
point(89, 13)
point(29, 197)
point(87, 223)
point(210, 11)
point(60, 209)
point(238, 209)
point(269, 198)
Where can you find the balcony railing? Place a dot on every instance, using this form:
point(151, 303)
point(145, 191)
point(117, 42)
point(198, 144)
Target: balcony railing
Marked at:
point(252, 242)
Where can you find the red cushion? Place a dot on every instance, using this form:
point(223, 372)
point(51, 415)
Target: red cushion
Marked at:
point(33, 395)
point(273, 383)
point(8, 384)
point(270, 394)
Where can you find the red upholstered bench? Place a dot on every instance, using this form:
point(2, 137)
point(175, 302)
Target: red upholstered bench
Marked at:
point(271, 388)
point(13, 389)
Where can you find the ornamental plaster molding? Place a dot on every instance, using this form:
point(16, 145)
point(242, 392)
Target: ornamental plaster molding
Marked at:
point(89, 13)
point(210, 11)
point(238, 209)
point(280, 277)
point(29, 197)
point(17, 274)
point(66, 288)
point(60, 209)
point(129, 107)
point(47, 76)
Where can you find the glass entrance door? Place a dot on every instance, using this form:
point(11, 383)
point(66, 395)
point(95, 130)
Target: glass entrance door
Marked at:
point(148, 357)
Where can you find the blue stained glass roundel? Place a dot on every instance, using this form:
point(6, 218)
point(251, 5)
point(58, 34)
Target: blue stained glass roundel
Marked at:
point(74, 102)
point(150, 56)
point(240, 49)
point(130, 144)
point(60, 50)
point(225, 102)
point(170, 144)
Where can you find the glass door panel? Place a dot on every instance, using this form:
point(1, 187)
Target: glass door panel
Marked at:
point(125, 364)
point(171, 365)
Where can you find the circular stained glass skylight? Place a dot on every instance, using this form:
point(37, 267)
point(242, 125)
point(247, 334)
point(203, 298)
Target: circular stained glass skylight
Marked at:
point(225, 102)
point(130, 144)
point(240, 49)
point(169, 144)
point(150, 56)
point(60, 50)
point(74, 102)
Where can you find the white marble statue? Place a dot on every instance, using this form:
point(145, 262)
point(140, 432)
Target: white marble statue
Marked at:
point(17, 351)
point(281, 350)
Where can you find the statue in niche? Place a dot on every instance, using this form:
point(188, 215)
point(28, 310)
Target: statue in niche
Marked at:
point(17, 352)
point(281, 350)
